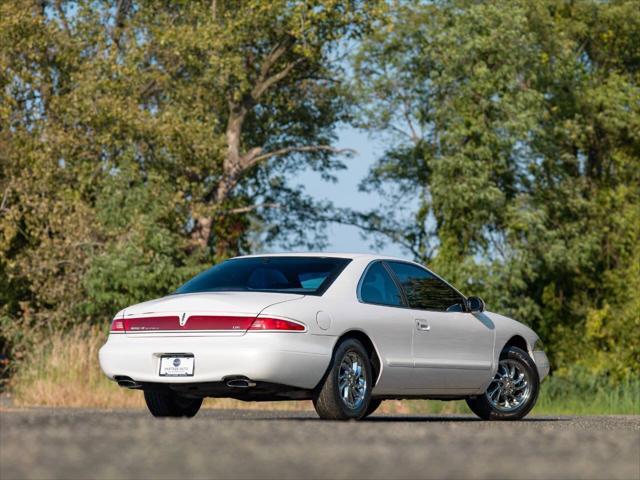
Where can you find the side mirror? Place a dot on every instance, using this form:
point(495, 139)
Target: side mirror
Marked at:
point(475, 304)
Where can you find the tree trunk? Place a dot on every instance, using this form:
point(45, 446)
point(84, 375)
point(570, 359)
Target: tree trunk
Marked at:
point(201, 233)
point(226, 228)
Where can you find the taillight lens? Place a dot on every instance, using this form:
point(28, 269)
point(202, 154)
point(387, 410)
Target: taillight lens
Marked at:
point(275, 324)
point(220, 322)
point(204, 323)
point(117, 325)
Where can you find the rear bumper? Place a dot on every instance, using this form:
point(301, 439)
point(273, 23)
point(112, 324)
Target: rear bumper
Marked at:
point(542, 363)
point(295, 359)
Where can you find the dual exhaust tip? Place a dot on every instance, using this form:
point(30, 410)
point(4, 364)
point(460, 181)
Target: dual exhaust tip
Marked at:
point(237, 382)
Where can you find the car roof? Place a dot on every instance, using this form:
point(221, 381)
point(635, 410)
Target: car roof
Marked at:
point(365, 256)
point(369, 256)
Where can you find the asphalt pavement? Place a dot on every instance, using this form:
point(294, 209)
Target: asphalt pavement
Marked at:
point(86, 444)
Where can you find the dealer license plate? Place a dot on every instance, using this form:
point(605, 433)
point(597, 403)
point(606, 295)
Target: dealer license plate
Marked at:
point(176, 366)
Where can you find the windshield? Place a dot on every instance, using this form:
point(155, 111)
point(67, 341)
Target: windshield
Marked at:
point(305, 275)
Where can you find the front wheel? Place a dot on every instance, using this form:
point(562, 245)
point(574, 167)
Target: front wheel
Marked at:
point(170, 404)
point(513, 391)
point(346, 391)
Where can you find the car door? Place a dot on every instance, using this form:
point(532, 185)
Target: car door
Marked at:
point(452, 348)
point(390, 325)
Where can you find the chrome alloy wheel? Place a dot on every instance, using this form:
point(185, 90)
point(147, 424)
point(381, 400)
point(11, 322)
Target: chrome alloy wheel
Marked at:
point(510, 388)
point(352, 381)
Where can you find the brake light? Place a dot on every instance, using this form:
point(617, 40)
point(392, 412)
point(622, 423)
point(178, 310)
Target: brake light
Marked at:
point(275, 324)
point(117, 325)
point(203, 323)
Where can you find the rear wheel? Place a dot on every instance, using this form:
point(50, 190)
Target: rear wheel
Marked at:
point(346, 391)
point(374, 403)
point(170, 404)
point(513, 391)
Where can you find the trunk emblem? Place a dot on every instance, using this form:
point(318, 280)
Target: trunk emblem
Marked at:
point(183, 320)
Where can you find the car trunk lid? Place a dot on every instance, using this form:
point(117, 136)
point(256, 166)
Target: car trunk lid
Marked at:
point(211, 313)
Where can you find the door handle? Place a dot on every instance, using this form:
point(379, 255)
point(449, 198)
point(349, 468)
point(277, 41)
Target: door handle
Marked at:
point(423, 325)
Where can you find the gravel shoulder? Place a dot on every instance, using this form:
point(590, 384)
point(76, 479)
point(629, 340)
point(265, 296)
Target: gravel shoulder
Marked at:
point(81, 444)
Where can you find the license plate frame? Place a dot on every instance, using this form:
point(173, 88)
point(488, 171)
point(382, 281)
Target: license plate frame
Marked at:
point(176, 365)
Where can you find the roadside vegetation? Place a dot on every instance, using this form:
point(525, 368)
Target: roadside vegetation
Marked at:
point(64, 372)
point(141, 142)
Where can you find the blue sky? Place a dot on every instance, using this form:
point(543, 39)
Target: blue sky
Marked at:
point(344, 193)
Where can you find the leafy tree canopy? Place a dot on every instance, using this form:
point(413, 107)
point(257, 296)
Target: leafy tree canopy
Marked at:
point(513, 131)
point(142, 140)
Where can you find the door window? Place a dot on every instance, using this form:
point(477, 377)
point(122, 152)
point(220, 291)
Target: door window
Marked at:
point(378, 287)
point(425, 291)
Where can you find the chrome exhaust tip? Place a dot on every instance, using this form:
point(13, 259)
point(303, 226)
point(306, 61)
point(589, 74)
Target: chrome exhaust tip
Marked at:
point(126, 382)
point(240, 383)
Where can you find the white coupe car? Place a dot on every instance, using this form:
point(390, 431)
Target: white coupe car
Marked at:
point(346, 331)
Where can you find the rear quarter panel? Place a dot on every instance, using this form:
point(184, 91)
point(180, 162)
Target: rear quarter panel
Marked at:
point(338, 311)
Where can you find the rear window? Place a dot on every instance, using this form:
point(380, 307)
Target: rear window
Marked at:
point(305, 275)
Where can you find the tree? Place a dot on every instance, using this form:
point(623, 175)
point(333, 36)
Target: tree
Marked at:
point(143, 140)
point(278, 97)
point(513, 129)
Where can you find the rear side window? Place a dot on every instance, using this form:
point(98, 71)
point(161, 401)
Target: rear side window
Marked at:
point(378, 287)
point(425, 291)
point(305, 275)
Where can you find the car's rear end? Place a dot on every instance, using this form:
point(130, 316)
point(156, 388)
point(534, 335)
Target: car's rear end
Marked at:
point(213, 346)
point(216, 337)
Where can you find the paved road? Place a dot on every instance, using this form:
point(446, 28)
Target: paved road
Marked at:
point(71, 444)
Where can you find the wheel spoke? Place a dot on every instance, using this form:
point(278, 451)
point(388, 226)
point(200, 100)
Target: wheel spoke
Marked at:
point(490, 393)
point(495, 395)
point(519, 388)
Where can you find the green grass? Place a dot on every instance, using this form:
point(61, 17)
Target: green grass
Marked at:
point(589, 396)
point(558, 396)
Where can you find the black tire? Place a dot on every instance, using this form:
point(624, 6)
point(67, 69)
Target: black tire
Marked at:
point(329, 403)
point(169, 404)
point(374, 403)
point(482, 407)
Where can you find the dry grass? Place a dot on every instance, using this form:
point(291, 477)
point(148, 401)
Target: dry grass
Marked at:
point(63, 371)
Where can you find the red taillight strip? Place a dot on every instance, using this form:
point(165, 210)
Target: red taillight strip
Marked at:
point(205, 323)
point(172, 323)
point(146, 324)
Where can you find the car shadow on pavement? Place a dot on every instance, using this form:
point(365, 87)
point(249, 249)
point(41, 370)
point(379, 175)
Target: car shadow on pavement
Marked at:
point(411, 418)
point(446, 419)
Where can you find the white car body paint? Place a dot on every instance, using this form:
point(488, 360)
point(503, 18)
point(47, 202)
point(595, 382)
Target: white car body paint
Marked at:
point(422, 353)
